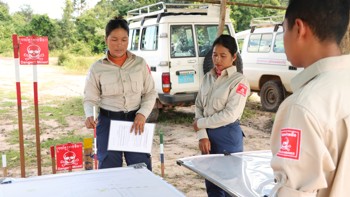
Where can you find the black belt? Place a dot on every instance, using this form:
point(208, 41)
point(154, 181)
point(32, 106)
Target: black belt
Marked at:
point(118, 115)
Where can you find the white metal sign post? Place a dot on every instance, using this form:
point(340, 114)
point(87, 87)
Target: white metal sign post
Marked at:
point(34, 51)
point(19, 104)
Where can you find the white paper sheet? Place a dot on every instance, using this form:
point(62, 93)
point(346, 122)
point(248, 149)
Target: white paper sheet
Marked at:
point(120, 138)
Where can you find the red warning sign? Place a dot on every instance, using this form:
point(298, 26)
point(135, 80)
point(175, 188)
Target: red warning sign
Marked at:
point(69, 156)
point(33, 50)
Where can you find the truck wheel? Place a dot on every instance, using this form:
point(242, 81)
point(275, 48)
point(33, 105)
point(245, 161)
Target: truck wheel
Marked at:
point(271, 95)
point(208, 62)
point(153, 117)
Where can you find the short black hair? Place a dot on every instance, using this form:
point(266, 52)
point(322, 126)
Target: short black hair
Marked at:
point(115, 23)
point(328, 19)
point(228, 42)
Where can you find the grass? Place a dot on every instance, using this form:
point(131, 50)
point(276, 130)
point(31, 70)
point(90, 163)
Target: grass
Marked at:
point(63, 140)
point(171, 116)
point(76, 64)
point(56, 109)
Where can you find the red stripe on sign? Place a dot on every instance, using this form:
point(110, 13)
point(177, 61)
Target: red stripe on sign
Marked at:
point(242, 89)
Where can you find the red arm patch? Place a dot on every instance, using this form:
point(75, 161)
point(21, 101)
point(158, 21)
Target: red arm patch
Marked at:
point(242, 89)
point(290, 143)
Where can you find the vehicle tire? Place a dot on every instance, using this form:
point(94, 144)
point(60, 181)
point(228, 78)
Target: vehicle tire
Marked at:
point(271, 95)
point(153, 117)
point(239, 63)
point(208, 62)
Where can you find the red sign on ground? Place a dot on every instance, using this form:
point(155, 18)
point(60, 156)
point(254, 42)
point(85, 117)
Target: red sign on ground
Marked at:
point(69, 156)
point(33, 50)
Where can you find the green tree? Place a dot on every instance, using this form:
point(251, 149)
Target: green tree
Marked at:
point(26, 12)
point(6, 28)
point(79, 7)
point(67, 27)
point(242, 15)
point(90, 25)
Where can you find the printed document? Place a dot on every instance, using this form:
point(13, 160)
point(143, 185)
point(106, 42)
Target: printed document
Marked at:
point(120, 138)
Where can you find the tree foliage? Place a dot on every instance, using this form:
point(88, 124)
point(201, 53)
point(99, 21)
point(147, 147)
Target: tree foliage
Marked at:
point(81, 29)
point(242, 15)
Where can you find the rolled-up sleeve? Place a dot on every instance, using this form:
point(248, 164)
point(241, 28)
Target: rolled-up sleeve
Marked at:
point(301, 164)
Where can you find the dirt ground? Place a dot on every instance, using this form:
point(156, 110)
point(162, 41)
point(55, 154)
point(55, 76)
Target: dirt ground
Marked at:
point(179, 140)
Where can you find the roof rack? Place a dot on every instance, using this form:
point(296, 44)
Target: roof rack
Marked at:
point(268, 21)
point(161, 7)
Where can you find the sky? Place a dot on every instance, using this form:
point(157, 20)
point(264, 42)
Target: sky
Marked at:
point(53, 8)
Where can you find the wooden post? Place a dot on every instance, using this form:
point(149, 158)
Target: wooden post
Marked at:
point(222, 18)
point(36, 109)
point(19, 105)
point(88, 153)
point(53, 160)
point(4, 165)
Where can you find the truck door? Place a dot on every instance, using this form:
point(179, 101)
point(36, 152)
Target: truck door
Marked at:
point(184, 75)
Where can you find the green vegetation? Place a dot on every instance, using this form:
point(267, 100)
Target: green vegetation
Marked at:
point(80, 31)
point(62, 108)
point(76, 64)
point(171, 116)
point(57, 110)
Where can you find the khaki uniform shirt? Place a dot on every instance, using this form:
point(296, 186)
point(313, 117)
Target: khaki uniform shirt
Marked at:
point(220, 101)
point(310, 138)
point(114, 88)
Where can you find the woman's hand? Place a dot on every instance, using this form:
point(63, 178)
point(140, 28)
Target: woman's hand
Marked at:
point(139, 124)
point(204, 146)
point(90, 123)
point(195, 126)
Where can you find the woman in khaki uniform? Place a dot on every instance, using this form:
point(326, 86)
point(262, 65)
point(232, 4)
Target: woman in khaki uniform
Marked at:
point(220, 104)
point(122, 86)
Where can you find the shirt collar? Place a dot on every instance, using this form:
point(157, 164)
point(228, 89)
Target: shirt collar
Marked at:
point(322, 65)
point(228, 71)
point(128, 53)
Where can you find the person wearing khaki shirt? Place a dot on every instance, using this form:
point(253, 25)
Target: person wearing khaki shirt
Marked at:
point(310, 139)
point(122, 86)
point(219, 106)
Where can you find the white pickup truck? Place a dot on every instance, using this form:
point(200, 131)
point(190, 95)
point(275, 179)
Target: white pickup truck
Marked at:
point(266, 67)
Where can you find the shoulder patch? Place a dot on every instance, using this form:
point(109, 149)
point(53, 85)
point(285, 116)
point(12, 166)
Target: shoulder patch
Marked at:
point(242, 89)
point(290, 143)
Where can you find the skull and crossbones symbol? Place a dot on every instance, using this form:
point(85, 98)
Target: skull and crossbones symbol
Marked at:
point(69, 159)
point(34, 51)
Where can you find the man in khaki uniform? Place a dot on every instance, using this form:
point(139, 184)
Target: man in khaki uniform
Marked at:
point(310, 139)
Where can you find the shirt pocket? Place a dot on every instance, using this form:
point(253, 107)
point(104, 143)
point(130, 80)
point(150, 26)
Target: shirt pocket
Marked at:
point(136, 79)
point(109, 84)
point(219, 103)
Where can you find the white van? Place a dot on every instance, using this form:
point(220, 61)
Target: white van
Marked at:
point(265, 62)
point(174, 39)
